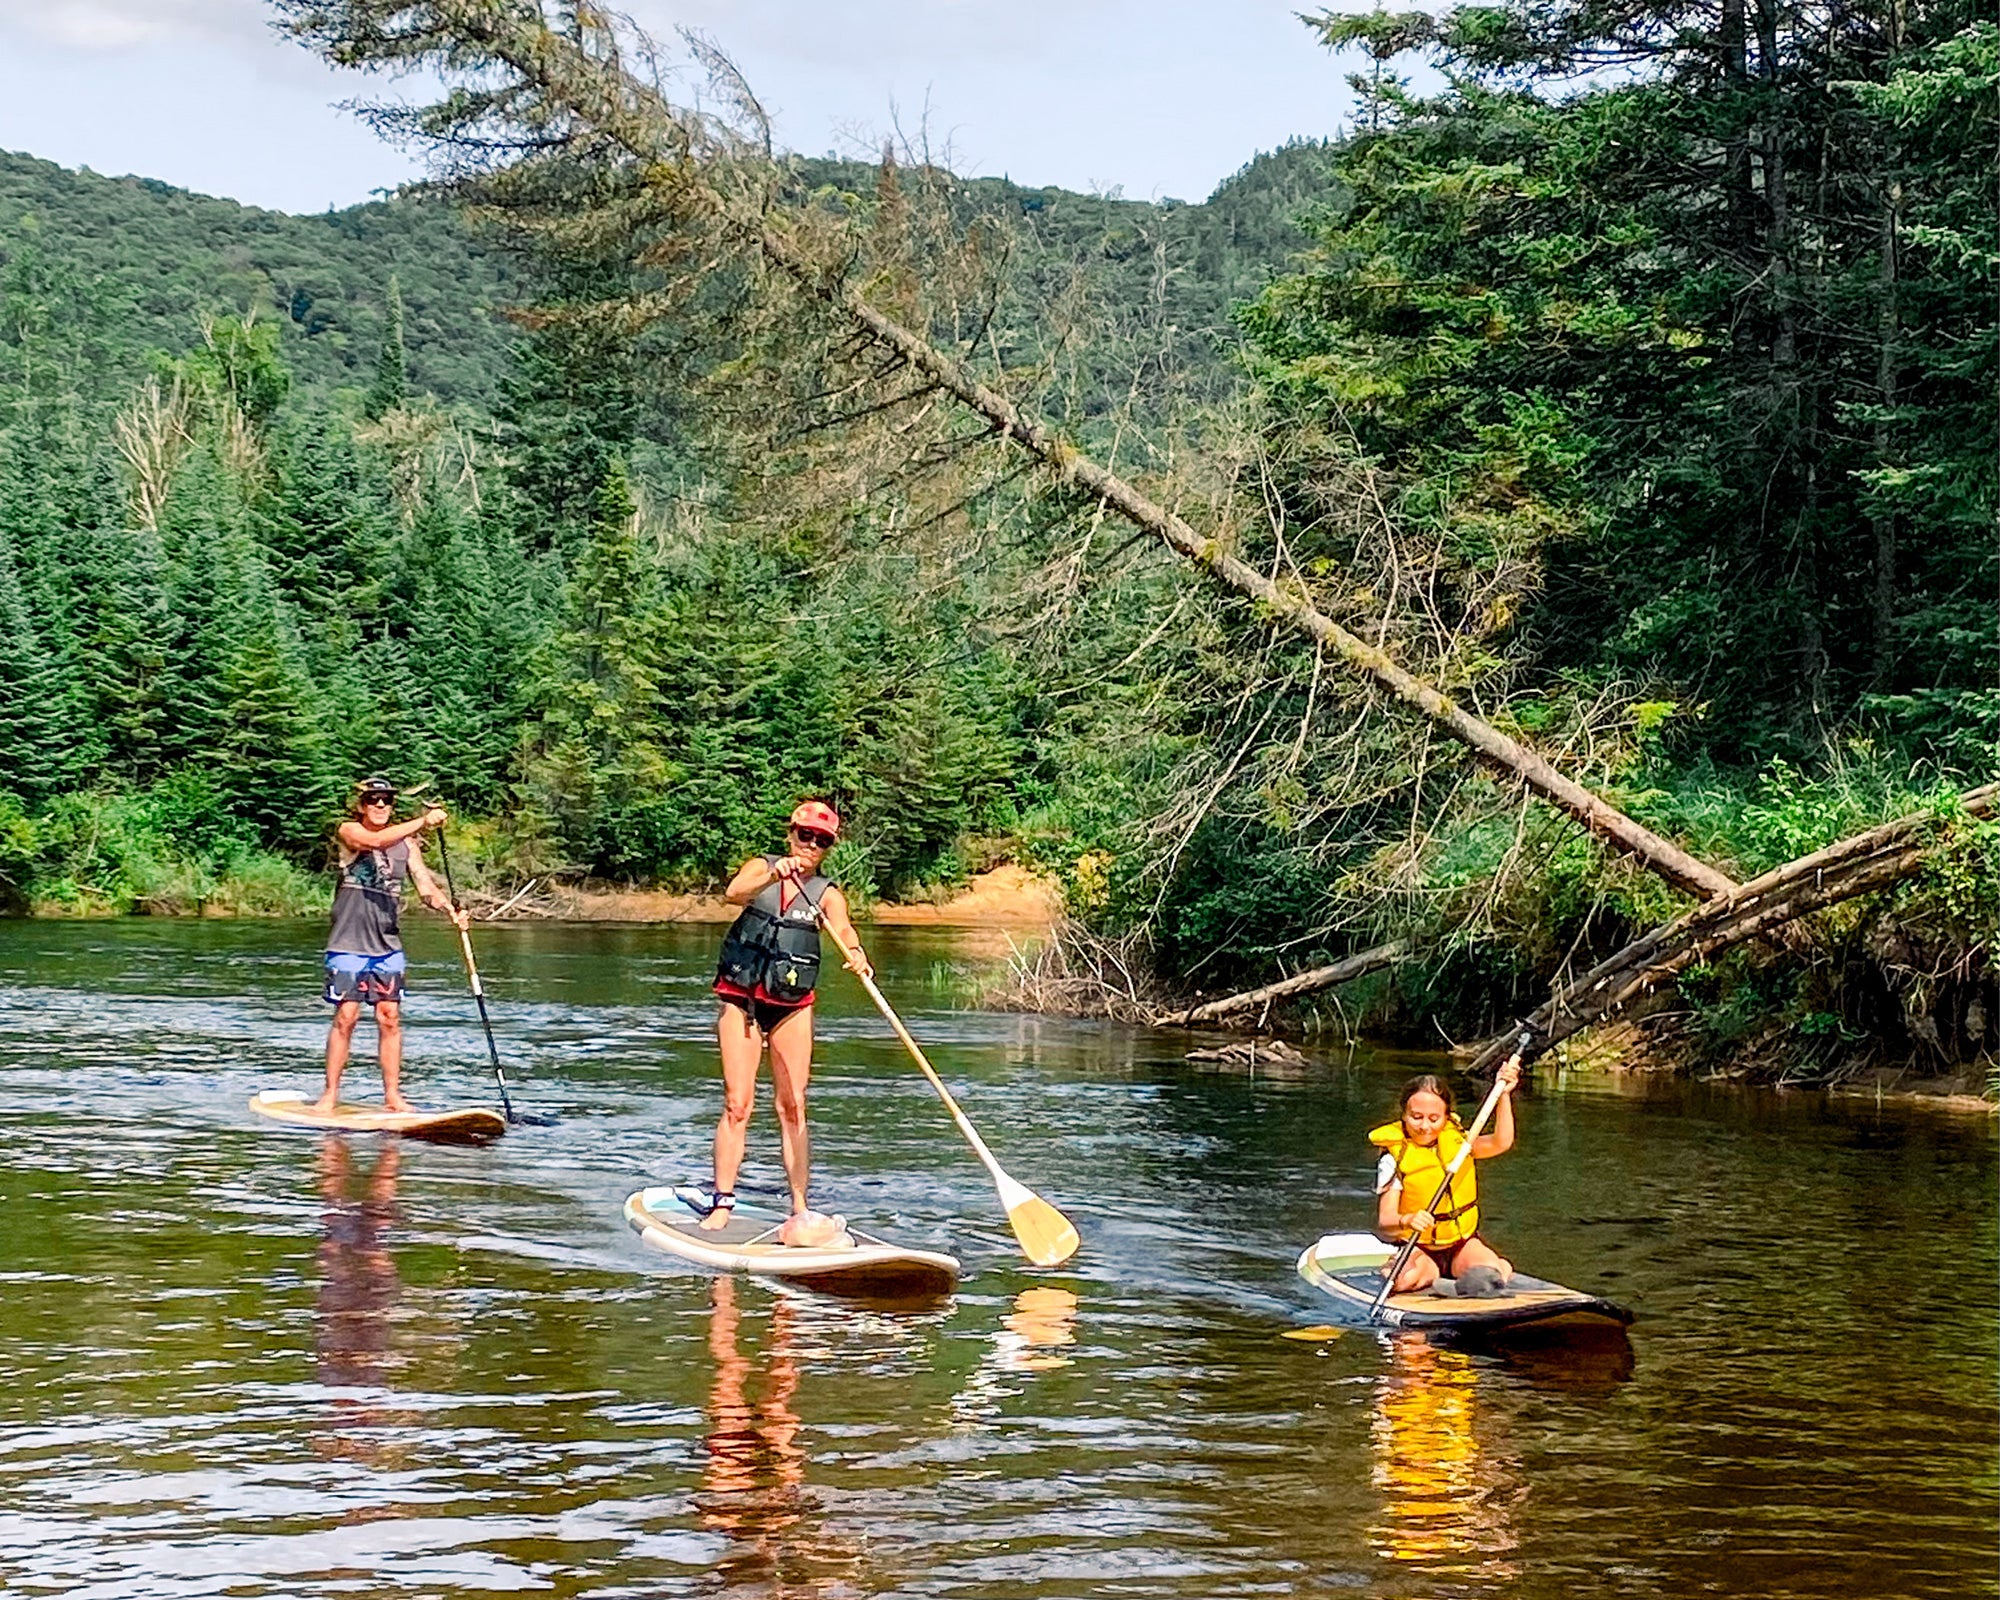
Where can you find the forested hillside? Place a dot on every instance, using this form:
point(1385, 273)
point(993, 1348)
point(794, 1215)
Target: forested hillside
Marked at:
point(1635, 393)
point(284, 499)
point(128, 266)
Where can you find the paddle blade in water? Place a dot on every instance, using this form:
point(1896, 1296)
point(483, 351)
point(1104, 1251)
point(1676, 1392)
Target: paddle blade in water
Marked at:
point(1047, 1237)
point(1317, 1334)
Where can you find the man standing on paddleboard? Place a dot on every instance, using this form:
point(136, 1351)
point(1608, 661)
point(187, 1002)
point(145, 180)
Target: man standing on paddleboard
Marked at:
point(765, 981)
point(364, 947)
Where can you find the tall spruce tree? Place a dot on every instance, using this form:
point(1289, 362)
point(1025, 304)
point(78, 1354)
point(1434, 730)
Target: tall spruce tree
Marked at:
point(391, 385)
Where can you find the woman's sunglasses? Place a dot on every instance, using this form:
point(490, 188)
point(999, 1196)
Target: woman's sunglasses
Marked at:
point(813, 837)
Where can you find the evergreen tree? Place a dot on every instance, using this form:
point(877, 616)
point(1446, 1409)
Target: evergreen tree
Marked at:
point(39, 753)
point(391, 386)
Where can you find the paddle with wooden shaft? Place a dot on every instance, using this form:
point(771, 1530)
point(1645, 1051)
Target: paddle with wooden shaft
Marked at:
point(479, 995)
point(1047, 1236)
point(1409, 1248)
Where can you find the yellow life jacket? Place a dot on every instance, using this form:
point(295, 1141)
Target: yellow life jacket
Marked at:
point(1421, 1169)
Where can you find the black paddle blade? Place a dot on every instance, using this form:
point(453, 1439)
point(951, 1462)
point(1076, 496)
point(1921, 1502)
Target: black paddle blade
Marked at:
point(532, 1119)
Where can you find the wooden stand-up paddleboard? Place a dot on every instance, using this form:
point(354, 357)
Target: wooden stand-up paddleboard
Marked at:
point(1348, 1268)
point(668, 1219)
point(476, 1125)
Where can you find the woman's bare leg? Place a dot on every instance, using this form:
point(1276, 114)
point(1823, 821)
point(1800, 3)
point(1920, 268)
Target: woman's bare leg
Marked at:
point(791, 1069)
point(741, 1045)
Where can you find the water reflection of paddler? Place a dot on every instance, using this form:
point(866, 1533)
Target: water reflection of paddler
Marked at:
point(359, 1290)
point(753, 1488)
point(1417, 1193)
point(765, 980)
point(1445, 1499)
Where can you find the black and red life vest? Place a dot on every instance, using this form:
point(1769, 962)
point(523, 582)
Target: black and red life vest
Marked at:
point(771, 951)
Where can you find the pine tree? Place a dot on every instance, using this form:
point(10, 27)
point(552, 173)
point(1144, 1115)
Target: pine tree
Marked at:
point(39, 747)
point(392, 364)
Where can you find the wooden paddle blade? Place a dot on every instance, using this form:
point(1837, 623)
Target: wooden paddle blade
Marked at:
point(1319, 1333)
point(1048, 1238)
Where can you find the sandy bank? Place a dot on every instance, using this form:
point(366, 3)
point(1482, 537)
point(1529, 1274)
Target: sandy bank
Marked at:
point(1007, 897)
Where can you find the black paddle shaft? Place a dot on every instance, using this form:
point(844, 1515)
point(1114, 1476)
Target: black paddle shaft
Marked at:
point(478, 990)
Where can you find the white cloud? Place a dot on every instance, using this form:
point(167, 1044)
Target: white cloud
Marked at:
point(133, 24)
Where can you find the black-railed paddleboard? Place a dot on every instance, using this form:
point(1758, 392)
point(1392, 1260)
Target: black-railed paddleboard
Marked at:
point(1348, 1269)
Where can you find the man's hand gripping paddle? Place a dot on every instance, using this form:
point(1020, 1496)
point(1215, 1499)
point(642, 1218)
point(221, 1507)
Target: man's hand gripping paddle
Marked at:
point(1047, 1236)
point(1409, 1247)
point(479, 995)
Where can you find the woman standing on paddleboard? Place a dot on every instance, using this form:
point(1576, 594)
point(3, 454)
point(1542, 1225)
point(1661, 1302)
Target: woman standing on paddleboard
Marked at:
point(1411, 1194)
point(765, 981)
point(364, 947)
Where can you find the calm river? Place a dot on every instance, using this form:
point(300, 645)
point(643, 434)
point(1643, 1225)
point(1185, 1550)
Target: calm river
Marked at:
point(242, 1360)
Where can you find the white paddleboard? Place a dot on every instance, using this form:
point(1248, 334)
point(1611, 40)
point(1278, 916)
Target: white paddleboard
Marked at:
point(474, 1125)
point(668, 1219)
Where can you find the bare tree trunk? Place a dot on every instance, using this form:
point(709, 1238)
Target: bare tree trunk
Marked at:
point(1868, 861)
point(1737, 184)
point(1313, 982)
point(1290, 603)
point(574, 89)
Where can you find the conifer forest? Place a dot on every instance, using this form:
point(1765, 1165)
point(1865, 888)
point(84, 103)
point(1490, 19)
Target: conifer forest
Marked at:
point(1526, 521)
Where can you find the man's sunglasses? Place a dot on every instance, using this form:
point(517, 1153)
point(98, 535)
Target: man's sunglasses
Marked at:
point(813, 837)
point(378, 800)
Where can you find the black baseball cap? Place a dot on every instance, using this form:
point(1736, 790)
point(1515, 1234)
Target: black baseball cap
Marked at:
point(375, 788)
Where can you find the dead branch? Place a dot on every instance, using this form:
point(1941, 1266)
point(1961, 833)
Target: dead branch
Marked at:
point(1312, 982)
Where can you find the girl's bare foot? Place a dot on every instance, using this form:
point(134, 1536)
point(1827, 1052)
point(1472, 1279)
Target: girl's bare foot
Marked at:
point(398, 1103)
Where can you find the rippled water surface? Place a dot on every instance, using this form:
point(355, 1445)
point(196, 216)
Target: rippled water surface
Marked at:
point(242, 1360)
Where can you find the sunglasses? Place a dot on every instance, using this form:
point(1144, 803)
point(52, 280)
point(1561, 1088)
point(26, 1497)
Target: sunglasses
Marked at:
point(378, 800)
point(813, 837)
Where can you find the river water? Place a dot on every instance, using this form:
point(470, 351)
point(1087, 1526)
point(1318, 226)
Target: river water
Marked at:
point(242, 1360)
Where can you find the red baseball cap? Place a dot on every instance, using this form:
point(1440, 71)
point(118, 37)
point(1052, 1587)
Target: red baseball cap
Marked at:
point(817, 814)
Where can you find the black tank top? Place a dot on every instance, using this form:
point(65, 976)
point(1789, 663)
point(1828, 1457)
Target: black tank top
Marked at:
point(367, 899)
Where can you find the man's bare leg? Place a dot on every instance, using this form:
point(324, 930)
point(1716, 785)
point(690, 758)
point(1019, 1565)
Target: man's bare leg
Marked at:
point(741, 1046)
point(339, 1042)
point(389, 1045)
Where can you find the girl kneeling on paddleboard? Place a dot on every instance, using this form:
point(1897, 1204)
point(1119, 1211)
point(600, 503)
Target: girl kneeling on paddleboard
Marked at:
point(1411, 1175)
point(765, 981)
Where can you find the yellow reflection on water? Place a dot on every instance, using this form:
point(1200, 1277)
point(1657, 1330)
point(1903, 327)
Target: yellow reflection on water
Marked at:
point(1446, 1493)
point(1029, 1340)
point(1042, 1322)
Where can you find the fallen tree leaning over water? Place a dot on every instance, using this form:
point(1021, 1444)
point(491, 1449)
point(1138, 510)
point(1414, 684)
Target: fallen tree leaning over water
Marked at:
point(1870, 861)
point(550, 127)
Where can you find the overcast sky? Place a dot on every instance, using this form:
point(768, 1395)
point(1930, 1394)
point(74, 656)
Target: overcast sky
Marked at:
point(1160, 98)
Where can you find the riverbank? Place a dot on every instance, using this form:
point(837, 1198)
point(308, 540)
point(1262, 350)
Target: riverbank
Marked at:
point(1006, 897)
point(1635, 1050)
